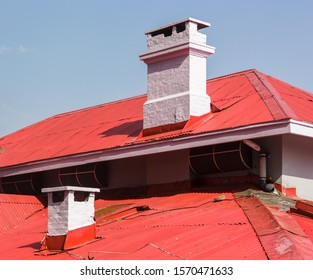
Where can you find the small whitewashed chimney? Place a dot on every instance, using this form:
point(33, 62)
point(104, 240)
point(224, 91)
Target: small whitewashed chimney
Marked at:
point(70, 217)
point(176, 60)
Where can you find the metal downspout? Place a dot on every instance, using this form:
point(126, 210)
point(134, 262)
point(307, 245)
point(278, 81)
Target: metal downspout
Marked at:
point(262, 160)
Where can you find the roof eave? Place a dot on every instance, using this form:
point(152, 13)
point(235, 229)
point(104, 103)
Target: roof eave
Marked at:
point(301, 128)
point(185, 142)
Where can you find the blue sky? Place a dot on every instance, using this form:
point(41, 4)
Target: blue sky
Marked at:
point(58, 56)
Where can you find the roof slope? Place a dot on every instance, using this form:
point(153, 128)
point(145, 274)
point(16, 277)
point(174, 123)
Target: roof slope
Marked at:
point(178, 226)
point(15, 209)
point(239, 99)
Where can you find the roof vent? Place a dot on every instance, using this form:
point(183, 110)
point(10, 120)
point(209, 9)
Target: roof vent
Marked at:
point(176, 60)
point(71, 220)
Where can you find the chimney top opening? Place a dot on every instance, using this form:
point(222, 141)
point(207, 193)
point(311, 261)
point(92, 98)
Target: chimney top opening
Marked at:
point(168, 31)
point(81, 196)
point(181, 27)
point(165, 31)
point(58, 197)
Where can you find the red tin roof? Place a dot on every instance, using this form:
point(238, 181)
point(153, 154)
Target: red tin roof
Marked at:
point(189, 226)
point(15, 209)
point(280, 234)
point(240, 99)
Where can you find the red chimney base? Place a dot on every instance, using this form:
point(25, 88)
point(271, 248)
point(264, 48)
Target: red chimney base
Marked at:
point(74, 238)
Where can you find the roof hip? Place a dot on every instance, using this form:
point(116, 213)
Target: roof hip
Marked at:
point(278, 108)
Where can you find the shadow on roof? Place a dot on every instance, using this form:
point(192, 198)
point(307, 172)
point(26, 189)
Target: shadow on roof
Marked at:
point(35, 245)
point(131, 128)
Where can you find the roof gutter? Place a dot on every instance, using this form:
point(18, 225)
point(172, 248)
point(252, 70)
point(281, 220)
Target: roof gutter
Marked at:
point(185, 142)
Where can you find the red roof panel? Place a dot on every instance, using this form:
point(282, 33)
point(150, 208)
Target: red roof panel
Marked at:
point(279, 233)
point(14, 209)
point(306, 224)
point(299, 100)
point(183, 226)
point(244, 98)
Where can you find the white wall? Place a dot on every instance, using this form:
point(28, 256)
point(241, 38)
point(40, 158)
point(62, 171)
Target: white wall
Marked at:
point(150, 170)
point(297, 165)
point(168, 167)
point(58, 216)
point(291, 162)
point(69, 214)
point(168, 92)
point(129, 172)
point(81, 213)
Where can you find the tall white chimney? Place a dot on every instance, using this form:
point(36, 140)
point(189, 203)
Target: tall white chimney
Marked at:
point(176, 60)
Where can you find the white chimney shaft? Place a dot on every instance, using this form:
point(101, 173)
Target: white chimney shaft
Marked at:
point(70, 216)
point(176, 60)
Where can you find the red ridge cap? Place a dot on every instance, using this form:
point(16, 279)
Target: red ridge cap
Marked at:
point(276, 105)
point(227, 76)
point(273, 226)
point(101, 105)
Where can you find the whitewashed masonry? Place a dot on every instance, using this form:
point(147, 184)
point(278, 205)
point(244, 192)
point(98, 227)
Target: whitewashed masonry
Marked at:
point(66, 211)
point(176, 60)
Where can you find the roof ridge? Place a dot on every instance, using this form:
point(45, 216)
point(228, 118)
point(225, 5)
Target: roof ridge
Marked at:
point(227, 76)
point(73, 112)
point(100, 105)
point(278, 108)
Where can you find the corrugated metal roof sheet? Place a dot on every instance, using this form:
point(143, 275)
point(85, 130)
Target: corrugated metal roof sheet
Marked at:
point(14, 209)
point(306, 224)
point(190, 226)
point(244, 98)
point(183, 226)
point(300, 101)
point(279, 232)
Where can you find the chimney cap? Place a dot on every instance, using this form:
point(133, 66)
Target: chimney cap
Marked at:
point(201, 24)
point(69, 188)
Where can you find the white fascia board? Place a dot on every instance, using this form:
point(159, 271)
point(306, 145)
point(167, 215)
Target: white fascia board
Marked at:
point(184, 142)
point(301, 128)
